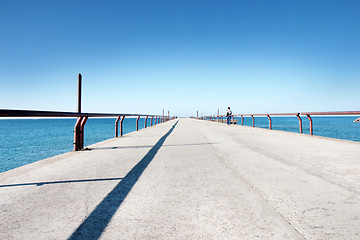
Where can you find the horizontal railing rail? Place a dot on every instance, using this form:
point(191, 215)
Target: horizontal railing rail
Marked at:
point(34, 113)
point(298, 115)
point(332, 113)
point(82, 119)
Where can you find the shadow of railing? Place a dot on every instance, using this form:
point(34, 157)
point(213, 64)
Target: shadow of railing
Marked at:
point(59, 182)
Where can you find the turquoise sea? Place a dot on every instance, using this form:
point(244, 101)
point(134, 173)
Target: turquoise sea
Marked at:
point(24, 141)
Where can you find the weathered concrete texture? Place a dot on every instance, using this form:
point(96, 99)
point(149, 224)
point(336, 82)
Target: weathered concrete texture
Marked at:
point(190, 180)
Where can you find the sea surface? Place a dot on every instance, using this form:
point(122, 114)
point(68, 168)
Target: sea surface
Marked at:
point(24, 141)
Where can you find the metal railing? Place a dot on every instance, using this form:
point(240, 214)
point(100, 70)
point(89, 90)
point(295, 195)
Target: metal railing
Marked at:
point(82, 119)
point(308, 114)
point(269, 117)
point(298, 115)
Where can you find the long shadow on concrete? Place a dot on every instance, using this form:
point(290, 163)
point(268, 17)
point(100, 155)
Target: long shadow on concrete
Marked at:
point(148, 146)
point(94, 225)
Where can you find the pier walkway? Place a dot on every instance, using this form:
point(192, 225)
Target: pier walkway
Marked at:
point(189, 179)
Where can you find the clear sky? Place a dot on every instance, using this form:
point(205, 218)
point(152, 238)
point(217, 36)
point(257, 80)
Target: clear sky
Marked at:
point(142, 56)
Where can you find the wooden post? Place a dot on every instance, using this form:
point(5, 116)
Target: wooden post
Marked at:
point(79, 92)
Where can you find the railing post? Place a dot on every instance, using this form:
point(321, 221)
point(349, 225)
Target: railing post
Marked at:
point(152, 117)
point(242, 120)
point(82, 127)
point(146, 121)
point(300, 122)
point(137, 123)
point(311, 124)
point(233, 120)
point(117, 126)
point(270, 125)
point(121, 125)
point(253, 120)
point(77, 134)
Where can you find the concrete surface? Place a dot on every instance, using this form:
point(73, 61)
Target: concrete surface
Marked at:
point(189, 179)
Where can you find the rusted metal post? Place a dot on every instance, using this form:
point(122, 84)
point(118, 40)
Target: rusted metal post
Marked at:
point(233, 119)
point(121, 125)
point(117, 126)
point(137, 123)
point(300, 122)
point(146, 121)
point(270, 125)
point(77, 134)
point(253, 120)
point(242, 120)
point(311, 124)
point(79, 92)
point(82, 128)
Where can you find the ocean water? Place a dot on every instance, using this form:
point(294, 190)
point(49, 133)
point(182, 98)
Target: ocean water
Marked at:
point(24, 141)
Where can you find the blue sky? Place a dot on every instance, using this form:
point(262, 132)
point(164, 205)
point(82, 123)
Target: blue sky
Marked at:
point(142, 56)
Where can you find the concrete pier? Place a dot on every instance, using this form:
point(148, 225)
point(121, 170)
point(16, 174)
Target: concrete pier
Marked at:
point(189, 179)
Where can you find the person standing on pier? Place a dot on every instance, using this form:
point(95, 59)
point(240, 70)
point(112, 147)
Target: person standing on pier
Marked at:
point(228, 116)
